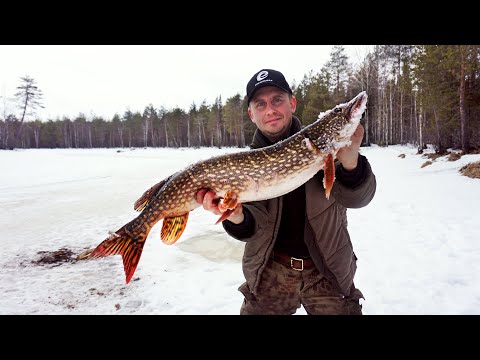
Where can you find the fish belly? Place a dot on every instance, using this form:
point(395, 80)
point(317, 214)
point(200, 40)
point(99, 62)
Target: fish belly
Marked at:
point(274, 184)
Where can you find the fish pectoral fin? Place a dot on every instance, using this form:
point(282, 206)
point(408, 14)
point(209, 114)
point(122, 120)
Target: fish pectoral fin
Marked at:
point(228, 202)
point(227, 205)
point(148, 195)
point(225, 215)
point(173, 227)
point(329, 174)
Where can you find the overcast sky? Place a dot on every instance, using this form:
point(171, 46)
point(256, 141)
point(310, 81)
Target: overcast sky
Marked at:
point(108, 79)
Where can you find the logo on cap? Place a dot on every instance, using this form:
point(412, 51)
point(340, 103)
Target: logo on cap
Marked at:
point(267, 77)
point(262, 75)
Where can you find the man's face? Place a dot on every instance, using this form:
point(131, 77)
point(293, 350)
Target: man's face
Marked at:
point(271, 110)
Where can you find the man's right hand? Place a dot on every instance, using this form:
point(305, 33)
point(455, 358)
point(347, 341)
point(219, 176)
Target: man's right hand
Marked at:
point(209, 200)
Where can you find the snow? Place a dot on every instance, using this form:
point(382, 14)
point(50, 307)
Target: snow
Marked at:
point(417, 242)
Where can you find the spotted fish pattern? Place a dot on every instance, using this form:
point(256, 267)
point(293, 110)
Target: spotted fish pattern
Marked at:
point(252, 175)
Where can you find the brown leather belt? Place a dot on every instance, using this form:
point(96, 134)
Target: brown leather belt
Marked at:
point(292, 262)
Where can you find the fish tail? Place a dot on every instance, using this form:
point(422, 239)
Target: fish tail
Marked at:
point(122, 242)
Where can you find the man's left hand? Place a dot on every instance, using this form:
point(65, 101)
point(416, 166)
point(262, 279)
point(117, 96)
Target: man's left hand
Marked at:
point(348, 155)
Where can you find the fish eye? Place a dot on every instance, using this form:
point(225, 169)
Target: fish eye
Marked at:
point(337, 110)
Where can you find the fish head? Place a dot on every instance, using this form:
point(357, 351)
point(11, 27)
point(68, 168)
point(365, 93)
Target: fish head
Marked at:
point(334, 127)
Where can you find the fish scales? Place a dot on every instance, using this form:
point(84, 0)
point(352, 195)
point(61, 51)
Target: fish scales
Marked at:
point(246, 176)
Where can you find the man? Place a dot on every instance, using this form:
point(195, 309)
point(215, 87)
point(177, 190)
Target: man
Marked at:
point(298, 250)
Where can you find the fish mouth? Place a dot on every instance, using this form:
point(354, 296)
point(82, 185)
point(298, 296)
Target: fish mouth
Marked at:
point(355, 107)
point(354, 110)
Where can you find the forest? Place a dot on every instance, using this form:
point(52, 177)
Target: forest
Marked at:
point(418, 94)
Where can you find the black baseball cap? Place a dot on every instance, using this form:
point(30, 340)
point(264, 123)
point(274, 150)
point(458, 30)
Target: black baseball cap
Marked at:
point(267, 77)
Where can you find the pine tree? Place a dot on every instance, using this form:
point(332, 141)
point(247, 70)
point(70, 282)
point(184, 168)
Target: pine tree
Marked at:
point(28, 98)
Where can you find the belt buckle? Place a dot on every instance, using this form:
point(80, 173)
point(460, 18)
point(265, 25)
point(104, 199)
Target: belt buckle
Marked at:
point(291, 263)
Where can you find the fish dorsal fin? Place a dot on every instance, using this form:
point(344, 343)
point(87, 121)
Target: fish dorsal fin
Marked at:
point(148, 195)
point(172, 228)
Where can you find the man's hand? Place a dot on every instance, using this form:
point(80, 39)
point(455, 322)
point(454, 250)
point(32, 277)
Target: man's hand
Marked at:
point(209, 201)
point(348, 155)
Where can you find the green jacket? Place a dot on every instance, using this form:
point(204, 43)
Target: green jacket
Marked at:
point(327, 237)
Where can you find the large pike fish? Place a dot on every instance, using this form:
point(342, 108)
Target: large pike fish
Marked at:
point(236, 178)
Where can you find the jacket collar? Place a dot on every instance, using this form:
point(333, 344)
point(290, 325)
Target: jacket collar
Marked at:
point(261, 141)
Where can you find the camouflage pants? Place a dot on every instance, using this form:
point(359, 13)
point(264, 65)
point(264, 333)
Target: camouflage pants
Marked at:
point(282, 290)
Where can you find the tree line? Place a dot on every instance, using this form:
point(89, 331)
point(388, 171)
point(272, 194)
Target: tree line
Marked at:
point(418, 94)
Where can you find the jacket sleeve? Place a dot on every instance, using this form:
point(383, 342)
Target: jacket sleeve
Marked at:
point(253, 227)
point(355, 189)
